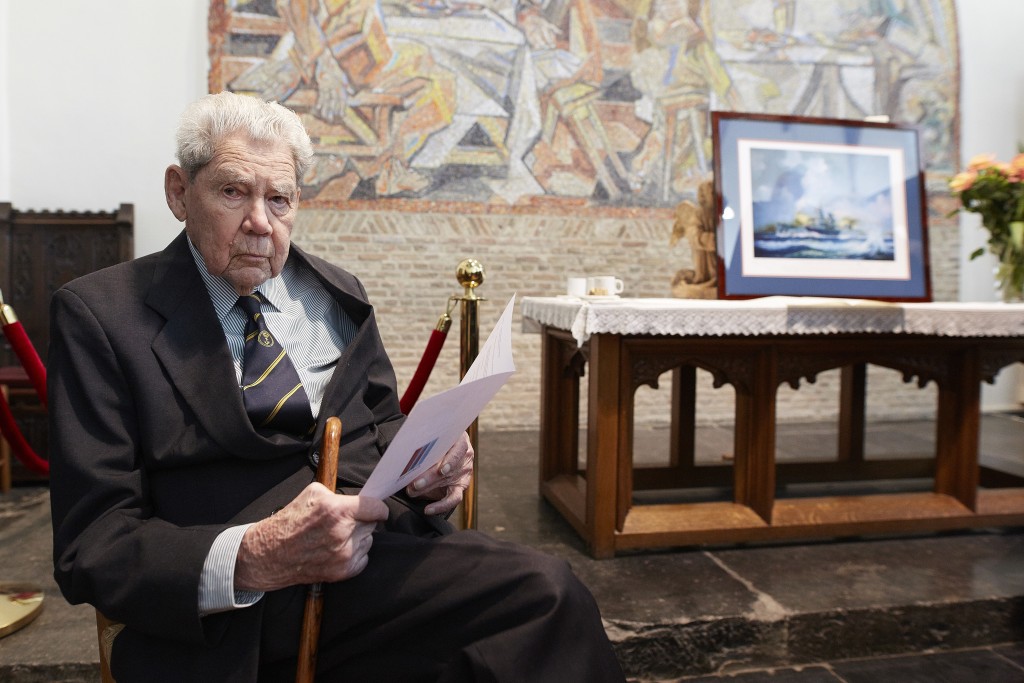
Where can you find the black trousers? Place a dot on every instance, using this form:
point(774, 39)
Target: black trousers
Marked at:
point(461, 607)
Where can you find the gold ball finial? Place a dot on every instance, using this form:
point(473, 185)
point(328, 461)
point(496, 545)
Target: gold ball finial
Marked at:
point(470, 274)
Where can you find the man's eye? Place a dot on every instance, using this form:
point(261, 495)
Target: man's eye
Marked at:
point(230, 192)
point(280, 201)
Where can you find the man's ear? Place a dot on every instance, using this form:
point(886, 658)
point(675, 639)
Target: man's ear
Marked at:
point(175, 182)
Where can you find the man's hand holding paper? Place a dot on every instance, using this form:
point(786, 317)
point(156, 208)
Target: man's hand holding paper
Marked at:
point(431, 438)
point(448, 481)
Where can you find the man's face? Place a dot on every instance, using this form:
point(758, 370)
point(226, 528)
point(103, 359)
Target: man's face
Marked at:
point(239, 209)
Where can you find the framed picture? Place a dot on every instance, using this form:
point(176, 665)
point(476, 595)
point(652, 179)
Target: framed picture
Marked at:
point(819, 207)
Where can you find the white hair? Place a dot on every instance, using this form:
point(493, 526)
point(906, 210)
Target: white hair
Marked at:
point(210, 119)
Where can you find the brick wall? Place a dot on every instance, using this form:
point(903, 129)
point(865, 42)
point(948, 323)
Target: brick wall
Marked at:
point(407, 263)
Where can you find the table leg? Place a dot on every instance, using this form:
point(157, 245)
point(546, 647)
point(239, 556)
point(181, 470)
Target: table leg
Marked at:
point(559, 412)
point(605, 419)
point(684, 406)
point(754, 468)
point(957, 430)
point(852, 390)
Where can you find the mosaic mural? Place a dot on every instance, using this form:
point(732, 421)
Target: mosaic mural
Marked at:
point(570, 105)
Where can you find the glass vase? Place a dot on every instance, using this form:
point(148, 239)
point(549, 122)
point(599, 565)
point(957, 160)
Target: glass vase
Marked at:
point(1009, 276)
point(1010, 272)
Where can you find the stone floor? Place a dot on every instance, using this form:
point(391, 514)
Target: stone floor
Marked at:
point(936, 607)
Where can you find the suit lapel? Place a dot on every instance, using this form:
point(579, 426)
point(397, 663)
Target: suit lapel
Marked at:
point(339, 390)
point(192, 350)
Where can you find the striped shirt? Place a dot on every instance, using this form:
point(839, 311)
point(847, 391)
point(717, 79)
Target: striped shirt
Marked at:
point(303, 317)
point(310, 325)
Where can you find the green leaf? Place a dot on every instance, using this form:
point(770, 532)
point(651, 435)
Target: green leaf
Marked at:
point(976, 253)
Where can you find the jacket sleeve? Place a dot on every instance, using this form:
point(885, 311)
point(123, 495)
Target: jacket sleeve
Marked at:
point(109, 549)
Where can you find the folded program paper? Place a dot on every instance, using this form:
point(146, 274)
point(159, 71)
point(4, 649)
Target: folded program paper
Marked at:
point(435, 424)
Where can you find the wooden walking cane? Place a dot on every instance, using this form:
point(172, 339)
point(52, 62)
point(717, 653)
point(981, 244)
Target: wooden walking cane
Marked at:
point(326, 474)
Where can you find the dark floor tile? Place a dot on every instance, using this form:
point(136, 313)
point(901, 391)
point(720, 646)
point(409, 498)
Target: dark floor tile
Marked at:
point(882, 440)
point(670, 611)
point(19, 501)
point(999, 440)
point(651, 445)
point(888, 434)
point(663, 586)
point(876, 573)
point(696, 609)
point(687, 583)
point(1012, 651)
point(850, 634)
point(974, 666)
point(805, 674)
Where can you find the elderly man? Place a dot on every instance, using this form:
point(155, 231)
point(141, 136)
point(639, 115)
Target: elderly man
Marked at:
point(182, 458)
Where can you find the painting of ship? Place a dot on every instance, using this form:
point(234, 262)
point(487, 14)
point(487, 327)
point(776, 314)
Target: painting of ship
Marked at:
point(821, 205)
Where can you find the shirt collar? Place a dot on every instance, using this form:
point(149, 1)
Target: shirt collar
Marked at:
point(223, 294)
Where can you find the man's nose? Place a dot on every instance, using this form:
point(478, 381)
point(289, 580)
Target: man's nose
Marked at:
point(256, 219)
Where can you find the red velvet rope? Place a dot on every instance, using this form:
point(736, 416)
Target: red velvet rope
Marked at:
point(412, 392)
point(19, 446)
point(15, 333)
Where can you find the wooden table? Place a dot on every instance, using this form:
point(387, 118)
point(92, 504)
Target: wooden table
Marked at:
point(755, 346)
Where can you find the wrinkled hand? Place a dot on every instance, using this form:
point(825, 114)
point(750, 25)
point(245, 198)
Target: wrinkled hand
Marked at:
point(447, 482)
point(319, 536)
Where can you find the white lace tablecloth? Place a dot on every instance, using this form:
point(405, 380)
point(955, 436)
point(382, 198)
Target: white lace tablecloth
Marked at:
point(770, 316)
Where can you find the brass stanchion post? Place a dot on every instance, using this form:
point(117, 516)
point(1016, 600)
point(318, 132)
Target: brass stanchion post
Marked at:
point(470, 274)
point(19, 603)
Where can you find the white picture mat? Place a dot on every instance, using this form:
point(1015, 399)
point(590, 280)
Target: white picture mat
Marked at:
point(754, 266)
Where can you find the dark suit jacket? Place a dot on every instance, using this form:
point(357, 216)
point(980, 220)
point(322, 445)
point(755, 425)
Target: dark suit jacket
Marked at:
point(152, 454)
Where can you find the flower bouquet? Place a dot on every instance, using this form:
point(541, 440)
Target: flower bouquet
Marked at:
point(995, 190)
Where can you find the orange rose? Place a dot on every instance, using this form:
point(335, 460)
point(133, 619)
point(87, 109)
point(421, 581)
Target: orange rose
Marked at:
point(963, 181)
point(1003, 168)
point(981, 161)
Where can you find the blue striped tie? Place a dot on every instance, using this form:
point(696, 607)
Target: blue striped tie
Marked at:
point(271, 390)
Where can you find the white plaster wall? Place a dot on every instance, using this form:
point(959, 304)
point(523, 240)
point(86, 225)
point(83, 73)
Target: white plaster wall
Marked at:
point(991, 120)
point(5, 126)
point(95, 91)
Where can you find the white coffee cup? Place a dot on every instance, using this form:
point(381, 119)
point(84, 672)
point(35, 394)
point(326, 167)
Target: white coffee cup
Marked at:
point(604, 285)
point(576, 286)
